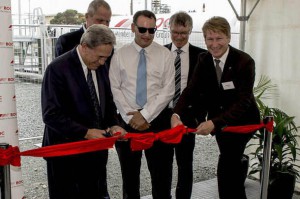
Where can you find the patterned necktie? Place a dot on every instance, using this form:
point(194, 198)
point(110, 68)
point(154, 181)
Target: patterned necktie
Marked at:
point(177, 64)
point(141, 81)
point(218, 70)
point(94, 98)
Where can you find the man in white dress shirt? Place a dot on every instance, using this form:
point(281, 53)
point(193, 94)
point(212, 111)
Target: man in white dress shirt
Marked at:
point(150, 117)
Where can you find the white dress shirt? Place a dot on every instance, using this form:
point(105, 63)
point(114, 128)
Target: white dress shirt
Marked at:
point(85, 71)
point(185, 66)
point(222, 59)
point(160, 79)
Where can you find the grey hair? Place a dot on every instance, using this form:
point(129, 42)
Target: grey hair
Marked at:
point(182, 18)
point(97, 35)
point(95, 4)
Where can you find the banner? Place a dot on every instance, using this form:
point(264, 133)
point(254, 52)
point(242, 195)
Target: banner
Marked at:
point(8, 112)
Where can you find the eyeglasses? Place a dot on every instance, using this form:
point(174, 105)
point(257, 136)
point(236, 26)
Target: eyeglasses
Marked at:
point(183, 34)
point(143, 30)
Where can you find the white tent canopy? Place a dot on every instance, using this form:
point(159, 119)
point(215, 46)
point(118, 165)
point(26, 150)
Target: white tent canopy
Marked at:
point(272, 39)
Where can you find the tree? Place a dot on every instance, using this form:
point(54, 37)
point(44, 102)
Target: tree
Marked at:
point(68, 17)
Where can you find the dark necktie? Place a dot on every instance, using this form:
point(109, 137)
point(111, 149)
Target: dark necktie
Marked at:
point(218, 70)
point(177, 64)
point(96, 105)
point(141, 80)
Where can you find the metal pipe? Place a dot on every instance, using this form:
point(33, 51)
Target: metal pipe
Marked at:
point(266, 160)
point(242, 18)
point(5, 191)
point(242, 26)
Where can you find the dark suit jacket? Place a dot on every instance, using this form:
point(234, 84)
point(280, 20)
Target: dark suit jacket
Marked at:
point(225, 107)
point(68, 41)
point(66, 103)
point(189, 117)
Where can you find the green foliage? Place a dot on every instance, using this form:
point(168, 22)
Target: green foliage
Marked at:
point(68, 17)
point(284, 148)
point(264, 90)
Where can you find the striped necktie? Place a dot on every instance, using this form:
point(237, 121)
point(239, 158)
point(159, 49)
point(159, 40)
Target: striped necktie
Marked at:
point(95, 101)
point(177, 64)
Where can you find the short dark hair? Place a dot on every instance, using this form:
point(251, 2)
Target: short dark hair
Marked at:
point(145, 13)
point(217, 24)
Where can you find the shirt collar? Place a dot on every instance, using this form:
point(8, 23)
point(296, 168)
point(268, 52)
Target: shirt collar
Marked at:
point(138, 48)
point(184, 48)
point(84, 27)
point(224, 57)
point(84, 67)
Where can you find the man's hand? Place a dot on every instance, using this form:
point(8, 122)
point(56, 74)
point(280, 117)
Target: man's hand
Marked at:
point(175, 121)
point(117, 129)
point(95, 134)
point(114, 130)
point(205, 128)
point(138, 122)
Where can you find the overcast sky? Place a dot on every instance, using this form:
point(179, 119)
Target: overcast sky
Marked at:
point(121, 6)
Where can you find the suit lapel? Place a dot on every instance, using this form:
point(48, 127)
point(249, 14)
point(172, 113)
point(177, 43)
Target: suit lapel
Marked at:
point(192, 60)
point(102, 81)
point(228, 67)
point(79, 76)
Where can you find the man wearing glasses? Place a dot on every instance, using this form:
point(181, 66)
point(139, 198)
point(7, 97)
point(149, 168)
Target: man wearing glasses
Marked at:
point(181, 25)
point(144, 109)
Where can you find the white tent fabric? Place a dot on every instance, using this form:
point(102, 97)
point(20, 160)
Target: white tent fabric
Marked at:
point(272, 39)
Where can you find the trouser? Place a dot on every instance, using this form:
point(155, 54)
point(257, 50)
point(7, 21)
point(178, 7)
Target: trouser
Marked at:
point(78, 176)
point(159, 160)
point(230, 167)
point(184, 157)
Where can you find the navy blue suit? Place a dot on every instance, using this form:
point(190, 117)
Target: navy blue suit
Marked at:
point(233, 105)
point(68, 41)
point(68, 114)
point(184, 150)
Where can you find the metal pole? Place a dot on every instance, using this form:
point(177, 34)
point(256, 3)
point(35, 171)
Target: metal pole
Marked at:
point(243, 26)
point(266, 160)
point(242, 18)
point(19, 10)
point(5, 191)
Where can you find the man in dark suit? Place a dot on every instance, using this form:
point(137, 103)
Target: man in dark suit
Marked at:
point(227, 98)
point(77, 104)
point(181, 25)
point(98, 12)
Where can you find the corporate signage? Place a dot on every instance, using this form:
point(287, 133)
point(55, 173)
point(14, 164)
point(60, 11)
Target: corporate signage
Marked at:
point(8, 112)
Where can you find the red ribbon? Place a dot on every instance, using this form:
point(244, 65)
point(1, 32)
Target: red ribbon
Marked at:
point(72, 148)
point(11, 155)
point(142, 141)
point(248, 128)
point(139, 141)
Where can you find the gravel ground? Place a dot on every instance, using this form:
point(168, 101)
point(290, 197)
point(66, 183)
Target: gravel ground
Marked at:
point(34, 169)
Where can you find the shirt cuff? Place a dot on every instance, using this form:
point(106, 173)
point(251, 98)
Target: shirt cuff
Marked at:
point(176, 115)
